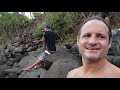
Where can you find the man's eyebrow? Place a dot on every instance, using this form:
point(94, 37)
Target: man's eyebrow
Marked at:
point(100, 33)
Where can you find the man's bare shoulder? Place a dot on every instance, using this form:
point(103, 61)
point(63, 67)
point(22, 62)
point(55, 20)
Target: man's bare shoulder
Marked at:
point(114, 67)
point(73, 72)
point(115, 71)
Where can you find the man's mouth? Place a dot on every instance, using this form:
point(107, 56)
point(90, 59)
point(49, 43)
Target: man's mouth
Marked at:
point(91, 48)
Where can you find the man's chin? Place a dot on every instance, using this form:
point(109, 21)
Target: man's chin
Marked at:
point(92, 58)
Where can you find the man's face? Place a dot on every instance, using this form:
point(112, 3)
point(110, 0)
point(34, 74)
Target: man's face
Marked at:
point(45, 29)
point(93, 41)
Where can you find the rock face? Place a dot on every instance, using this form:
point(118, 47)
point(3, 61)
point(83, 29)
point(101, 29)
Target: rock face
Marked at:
point(115, 48)
point(60, 68)
point(38, 73)
point(14, 57)
point(56, 65)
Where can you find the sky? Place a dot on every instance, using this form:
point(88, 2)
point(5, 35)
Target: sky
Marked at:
point(28, 14)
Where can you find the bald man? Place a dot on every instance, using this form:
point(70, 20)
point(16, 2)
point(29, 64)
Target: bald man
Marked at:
point(94, 41)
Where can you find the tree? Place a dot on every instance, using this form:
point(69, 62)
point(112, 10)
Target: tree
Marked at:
point(11, 23)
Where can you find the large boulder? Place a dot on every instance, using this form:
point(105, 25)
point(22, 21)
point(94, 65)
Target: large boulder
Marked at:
point(20, 49)
point(2, 62)
point(29, 59)
point(58, 55)
point(2, 70)
point(36, 73)
point(116, 61)
point(17, 57)
point(12, 75)
point(10, 63)
point(13, 70)
point(110, 58)
point(4, 67)
point(115, 48)
point(10, 47)
point(26, 61)
point(2, 74)
point(74, 49)
point(3, 59)
point(60, 68)
point(68, 45)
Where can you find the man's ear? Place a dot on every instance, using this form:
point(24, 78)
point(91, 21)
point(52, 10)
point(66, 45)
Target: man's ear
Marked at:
point(110, 42)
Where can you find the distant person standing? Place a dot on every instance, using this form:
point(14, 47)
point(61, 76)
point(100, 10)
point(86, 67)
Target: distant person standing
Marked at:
point(105, 16)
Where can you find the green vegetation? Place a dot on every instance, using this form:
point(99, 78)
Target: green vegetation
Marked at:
point(38, 33)
point(65, 24)
point(36, 15)
point(11, 23)
point(15, 23)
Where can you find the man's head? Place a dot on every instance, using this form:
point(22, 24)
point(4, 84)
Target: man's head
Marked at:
point(94, 39)
point(48, 27)
point(98, 18)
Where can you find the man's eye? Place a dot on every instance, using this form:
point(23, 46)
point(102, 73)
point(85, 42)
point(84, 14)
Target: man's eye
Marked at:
point(87, 35)
point(102, 37)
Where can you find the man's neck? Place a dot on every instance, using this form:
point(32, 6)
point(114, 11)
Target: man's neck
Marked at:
point(93, 67)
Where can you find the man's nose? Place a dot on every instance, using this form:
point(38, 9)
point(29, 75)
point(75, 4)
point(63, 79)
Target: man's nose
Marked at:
point(93, 40)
